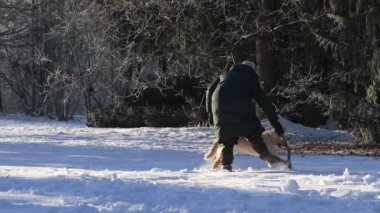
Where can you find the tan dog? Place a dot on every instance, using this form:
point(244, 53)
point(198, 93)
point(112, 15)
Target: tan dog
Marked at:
point(270, 138)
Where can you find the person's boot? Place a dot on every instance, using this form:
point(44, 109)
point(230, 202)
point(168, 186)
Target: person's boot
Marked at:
point(227, 168)
point(275, 162)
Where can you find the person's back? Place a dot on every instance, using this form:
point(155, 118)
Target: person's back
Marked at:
point(232, 103)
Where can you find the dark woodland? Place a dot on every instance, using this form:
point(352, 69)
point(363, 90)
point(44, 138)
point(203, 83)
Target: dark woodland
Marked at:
point(133, 63)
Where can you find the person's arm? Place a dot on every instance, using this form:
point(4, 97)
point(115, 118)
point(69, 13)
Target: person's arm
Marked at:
point(266, 106)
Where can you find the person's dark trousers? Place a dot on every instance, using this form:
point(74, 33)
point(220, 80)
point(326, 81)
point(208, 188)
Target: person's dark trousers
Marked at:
point(228, 153)
point(259, 146)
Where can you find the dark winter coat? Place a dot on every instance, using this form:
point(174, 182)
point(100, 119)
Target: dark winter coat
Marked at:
point(232, 104)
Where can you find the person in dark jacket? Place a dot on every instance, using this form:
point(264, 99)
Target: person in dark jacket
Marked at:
point(230, 103)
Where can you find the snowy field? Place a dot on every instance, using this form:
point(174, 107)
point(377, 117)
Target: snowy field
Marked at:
point(48, 166)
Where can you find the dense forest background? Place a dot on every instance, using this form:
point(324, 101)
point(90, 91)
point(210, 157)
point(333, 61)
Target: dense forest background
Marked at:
point(131, 63)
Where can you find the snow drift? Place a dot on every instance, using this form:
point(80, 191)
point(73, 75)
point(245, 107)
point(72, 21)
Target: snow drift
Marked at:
point(48, 166)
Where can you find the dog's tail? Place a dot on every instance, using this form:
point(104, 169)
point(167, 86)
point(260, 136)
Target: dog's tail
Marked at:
point(211, 153)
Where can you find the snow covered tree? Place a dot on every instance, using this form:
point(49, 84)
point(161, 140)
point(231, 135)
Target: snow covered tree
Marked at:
point(14, 32)
point(34, 57)
point(142, 46)
point(139, 61)
point(353, 97)
point(332, 49)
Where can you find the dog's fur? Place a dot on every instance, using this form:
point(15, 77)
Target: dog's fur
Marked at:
point(270, 138)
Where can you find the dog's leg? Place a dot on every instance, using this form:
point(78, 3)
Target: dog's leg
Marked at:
point(214, 148)
point(217, 162)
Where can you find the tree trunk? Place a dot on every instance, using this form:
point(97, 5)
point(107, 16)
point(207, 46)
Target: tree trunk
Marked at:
point(266, 64)
point(265, 58)
point(1, 99)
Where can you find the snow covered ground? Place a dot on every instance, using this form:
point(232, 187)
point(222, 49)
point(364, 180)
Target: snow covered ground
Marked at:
point(48, 166)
